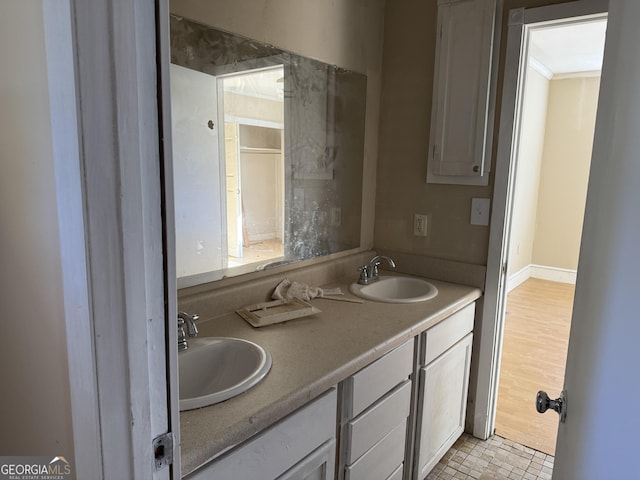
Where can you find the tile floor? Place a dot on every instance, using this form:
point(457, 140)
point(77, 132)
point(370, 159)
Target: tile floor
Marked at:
point(493, 459)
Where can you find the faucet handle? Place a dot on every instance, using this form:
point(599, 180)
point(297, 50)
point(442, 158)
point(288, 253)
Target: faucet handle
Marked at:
point(374, 268)
point(364, 274)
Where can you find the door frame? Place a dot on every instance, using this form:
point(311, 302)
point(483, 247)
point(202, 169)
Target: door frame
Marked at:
point(111, 148)
point(492, 325)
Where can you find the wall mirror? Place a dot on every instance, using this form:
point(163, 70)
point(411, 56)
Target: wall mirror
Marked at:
point(268, 151)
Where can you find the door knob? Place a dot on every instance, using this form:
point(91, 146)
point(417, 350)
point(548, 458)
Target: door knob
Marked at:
point(559, 405)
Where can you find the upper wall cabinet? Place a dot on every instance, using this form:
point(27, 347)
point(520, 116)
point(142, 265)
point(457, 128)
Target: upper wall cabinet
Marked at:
point(462, 113)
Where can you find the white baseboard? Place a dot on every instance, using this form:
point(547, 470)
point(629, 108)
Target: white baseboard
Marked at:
point(562, 275)
point(554, 274)
point(518, 278)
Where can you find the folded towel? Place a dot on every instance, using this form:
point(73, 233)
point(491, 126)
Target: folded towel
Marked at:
point(287, 290)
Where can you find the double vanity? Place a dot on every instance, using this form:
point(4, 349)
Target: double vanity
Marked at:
point(359, 391)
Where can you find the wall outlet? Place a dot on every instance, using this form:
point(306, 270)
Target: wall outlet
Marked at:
point(420, 225)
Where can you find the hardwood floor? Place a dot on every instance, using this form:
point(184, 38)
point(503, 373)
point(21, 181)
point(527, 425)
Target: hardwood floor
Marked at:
point(259, 252)
point(534, 354)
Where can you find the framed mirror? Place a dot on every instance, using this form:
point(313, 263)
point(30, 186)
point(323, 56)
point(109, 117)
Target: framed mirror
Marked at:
point(268, 151)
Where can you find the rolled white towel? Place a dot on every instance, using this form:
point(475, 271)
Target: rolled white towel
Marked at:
point(287, 290)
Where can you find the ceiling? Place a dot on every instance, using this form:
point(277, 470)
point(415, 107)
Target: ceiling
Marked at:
point(267, 83)
point(569, 49)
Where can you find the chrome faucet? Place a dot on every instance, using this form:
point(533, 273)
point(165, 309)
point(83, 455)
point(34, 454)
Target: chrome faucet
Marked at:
point(192, 330)
point(369, 273)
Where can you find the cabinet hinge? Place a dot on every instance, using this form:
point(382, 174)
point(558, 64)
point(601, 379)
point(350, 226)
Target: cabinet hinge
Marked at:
point(162, 451)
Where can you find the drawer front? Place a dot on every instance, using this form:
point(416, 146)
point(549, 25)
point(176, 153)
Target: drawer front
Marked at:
point(446, 334)
point(276, 449)
point(373, 381)
point(397, 474)
point(374, 423)
point(382, 460)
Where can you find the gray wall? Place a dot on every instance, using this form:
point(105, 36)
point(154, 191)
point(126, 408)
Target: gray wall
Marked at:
point(35, 411)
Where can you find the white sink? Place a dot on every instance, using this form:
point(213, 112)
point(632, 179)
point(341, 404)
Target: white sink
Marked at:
point(396, 290)
point(214, 369)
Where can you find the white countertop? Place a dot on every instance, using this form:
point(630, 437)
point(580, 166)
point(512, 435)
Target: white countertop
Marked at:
point(310, 355)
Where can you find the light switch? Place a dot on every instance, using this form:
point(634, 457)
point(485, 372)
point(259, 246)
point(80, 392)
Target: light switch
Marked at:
point(480, 208)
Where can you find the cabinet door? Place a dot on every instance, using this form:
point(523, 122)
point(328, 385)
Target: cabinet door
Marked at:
point(319, 465)
point(274, 451)
point(461, 91)
point(444, 385)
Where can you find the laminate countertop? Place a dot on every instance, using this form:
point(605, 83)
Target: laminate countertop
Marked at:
point(310, 355)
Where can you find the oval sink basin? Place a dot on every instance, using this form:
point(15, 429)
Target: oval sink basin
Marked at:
point(396, 290)
point(214, 369)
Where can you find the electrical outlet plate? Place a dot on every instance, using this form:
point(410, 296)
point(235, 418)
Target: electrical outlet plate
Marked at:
point(480, 208)
point(420, 225)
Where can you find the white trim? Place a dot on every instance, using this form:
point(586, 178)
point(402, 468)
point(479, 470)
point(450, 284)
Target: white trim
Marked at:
point(115, 47)
point(539, 67)
point(584, 74)
point(490, 345)
point(518, 278)
point(170, 275)
point(543, 272)
point(71, 220)
point(554, 274)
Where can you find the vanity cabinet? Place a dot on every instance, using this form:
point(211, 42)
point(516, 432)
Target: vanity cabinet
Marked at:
point(299, 447)
point(374, 407)
point(443, 382)
point(462, 116)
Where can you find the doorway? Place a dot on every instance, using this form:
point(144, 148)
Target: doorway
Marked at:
point(252, 108)
point(559, 81)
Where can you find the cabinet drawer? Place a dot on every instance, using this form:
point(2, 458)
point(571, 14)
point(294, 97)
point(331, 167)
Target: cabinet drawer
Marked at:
point(382, 460)
point(397, 474)
point(276, 449)
point(373, 381)
point(376, 422)
point(445, 334)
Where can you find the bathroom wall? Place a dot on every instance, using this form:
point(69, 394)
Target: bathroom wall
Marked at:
point(527, 181)
point(408, 68)
point(565, 171)
point(552, 173)
point(347, 33)
point(261, 173)
point(409, 54)
point(35, 411)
